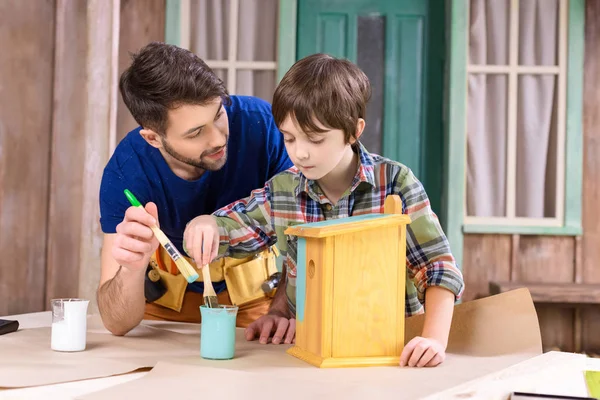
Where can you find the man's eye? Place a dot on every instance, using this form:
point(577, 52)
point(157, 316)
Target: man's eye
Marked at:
point(195, 135)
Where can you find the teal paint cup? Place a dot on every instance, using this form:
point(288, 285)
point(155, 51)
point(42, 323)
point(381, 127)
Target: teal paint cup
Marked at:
point(217, 332)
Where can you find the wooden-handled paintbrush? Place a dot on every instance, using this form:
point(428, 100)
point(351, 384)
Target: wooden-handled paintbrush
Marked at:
point(210, 297)
point(184, 267)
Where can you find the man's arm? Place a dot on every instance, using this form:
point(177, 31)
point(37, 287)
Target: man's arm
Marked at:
point(278, 322)
point(125, 257)
point(120, 294)
point(279, 304)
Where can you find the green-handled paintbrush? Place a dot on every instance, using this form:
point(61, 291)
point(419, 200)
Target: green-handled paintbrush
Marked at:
point(184, 267)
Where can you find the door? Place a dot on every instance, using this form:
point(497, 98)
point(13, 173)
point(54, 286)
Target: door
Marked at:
point(399, 44)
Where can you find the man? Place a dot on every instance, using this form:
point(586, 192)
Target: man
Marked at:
point(196, 150)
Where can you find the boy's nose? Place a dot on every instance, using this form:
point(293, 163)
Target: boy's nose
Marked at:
point(301, 154)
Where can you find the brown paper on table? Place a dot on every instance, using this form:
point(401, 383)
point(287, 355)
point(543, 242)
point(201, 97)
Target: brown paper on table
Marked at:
point(27, 360)
point(487, 335)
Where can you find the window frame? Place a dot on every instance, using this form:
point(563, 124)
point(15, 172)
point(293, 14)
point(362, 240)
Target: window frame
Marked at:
point(458, 223)
point(177, 32)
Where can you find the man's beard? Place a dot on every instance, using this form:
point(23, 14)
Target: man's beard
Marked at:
point(198, 163)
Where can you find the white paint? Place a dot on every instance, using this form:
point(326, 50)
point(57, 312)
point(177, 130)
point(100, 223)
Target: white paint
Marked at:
point(69, 324)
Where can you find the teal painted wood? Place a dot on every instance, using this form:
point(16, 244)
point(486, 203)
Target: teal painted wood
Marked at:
point(342, 221)
point(300, 279)
point(286, 44)
point(412, 122)
point(574, 132)
point(524, 230)
point(403, 115)
point(455, 125)
point(172, 22)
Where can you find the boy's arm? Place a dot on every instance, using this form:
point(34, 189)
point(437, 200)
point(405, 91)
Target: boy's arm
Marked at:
point(429, 259)
point(245, 226)
point(439, 303)
point(236, 230)
point(434, 272)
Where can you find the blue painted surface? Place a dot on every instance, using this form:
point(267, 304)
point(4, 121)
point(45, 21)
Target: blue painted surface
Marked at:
point(339, 221)
point(217, 332)
point(300, 279)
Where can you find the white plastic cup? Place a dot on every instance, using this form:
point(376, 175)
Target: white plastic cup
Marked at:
point(69, 324)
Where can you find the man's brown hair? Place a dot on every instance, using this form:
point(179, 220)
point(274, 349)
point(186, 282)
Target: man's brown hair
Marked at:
point(162, 77)
point(333, 91)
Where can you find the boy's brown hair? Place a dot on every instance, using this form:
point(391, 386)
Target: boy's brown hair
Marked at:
point(333, 91)
point(163, 77)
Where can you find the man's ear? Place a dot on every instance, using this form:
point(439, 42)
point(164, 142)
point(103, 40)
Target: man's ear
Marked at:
point(152, 138)
point(360, 127)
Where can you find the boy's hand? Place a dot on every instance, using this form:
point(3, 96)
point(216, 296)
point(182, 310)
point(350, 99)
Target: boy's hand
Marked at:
point(422, 352)
point(280, 327)
point(201, 239)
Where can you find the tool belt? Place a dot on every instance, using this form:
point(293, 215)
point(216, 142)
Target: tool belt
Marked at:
point(243, 276)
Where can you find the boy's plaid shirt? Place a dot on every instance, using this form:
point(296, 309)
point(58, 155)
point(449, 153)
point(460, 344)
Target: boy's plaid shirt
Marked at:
point(289, 198)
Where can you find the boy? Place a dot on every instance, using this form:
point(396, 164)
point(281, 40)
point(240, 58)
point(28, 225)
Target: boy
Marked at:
point(319, 107)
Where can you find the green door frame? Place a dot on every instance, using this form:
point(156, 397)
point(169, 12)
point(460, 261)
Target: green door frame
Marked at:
point(455, 102)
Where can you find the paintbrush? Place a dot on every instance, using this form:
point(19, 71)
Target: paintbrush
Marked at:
point(210, 297)
point(183, 265)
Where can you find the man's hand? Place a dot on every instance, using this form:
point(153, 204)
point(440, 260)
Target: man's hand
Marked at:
point(272, 324)
point(135, 242)
point(422, 352)
point(201, 239)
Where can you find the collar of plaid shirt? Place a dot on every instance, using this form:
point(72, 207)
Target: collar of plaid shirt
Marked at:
point(365, 173)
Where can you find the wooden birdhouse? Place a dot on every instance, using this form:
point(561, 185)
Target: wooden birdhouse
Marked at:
point(351, 276)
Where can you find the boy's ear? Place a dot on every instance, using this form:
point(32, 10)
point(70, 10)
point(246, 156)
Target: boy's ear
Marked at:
point(151, 137)
point(360, 127)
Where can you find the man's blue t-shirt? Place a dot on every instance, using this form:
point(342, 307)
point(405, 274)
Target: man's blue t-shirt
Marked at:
point(255, 153)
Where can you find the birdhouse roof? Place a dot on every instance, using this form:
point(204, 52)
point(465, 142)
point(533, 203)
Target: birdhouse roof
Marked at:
point(347, 225)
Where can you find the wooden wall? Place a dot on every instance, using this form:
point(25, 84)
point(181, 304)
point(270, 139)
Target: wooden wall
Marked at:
point(555, 259)
point(142, 21)
point(49, 127)
point(26, 72)
point(591, 159)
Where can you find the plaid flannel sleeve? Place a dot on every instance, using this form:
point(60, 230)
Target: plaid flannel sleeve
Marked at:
point(428, 257)
point(245, 226)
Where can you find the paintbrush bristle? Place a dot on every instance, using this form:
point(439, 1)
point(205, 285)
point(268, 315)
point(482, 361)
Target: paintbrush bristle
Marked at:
point(211, 301)
point(187, 270)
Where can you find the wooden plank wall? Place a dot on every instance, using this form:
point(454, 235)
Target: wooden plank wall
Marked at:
point(488, 258)
point(142, 21)
point(43, 108)
point(591, 158)
point(67, 162)
point(555, 259)
point(26, 71)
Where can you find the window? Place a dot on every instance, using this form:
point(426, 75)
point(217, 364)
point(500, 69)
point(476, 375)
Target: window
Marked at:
point(523, 157)
point(241, 50)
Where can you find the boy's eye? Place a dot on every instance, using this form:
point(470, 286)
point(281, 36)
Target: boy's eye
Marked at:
point(288, 140)
point(317, 141)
